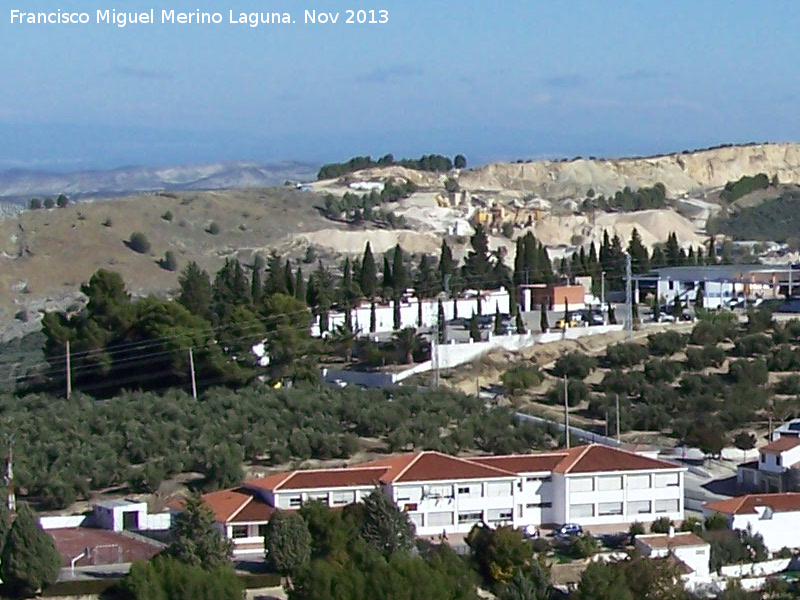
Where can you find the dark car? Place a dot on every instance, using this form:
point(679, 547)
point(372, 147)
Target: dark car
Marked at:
point(569, 529)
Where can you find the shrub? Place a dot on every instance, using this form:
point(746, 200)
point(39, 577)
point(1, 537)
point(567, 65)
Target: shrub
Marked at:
point(49, 203)
point(35, 204)
point(661, 525)
point(701, 358)
point(635, 529)
point(541, 544)
point(167, 216)
point(574, 365)
point(62, 201)
point(788, 385)
point(626, 354)
point(169, 262)
point(716, 522)
point(520, 378)
point(662, 370)
point(622, 382)
point(139, 243)
point(666, 343)
point(212, 228)
point(759, 319)
point(583, 546)
point(714, 328)
point(577, 390)
point(755, 344)
point(752, 372)
point(108, 222)
point(785, 358)
point(692, 524)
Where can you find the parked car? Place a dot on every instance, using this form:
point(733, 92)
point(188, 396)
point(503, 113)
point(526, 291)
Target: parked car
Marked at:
point(529, 531)
point(569, 529)
point(561, 325)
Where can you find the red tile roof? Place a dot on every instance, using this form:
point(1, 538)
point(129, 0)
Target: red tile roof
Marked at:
point(226, 503)
point(319, 478)
point(597, 458)
point(522, 463)
point(435, 466)
point(743, 505)
point(782, 444)
point(256, 511)
point(663, 540)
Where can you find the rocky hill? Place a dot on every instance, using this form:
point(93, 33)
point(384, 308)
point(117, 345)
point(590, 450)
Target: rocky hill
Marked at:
point(681, 173)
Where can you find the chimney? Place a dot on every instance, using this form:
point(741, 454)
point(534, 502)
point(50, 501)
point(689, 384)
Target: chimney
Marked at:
point(671, 532)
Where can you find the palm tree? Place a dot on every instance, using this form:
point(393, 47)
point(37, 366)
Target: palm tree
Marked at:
point(407, 341)
point(342, 341)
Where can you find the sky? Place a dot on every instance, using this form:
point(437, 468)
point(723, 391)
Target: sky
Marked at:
point(501, 80)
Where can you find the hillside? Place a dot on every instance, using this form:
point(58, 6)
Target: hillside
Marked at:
point(680, 173)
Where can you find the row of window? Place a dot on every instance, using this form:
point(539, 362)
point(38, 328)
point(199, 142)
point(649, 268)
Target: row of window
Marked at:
point(336, 499)
point(241, 531)
point(606, 509)
point(614, 482)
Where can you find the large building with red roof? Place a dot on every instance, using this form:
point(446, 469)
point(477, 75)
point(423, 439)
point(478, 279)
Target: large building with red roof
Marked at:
point(588, 485)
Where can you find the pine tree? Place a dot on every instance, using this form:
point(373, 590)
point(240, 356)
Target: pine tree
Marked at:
point(196, 540)
point(712, 250)
point(691, 259)
point(231, 288)
point(672, 250)
point(640, 262)
point(276, 279)
point(195, 295)
point(477, 268)
point(287, 542)
point(320, 294)
point(30, 561)
point(657, 260)
point(446, 265)
point(474, 329)
point(387, 283)
point(385, 527)
point(498, 321)
point(346, 295)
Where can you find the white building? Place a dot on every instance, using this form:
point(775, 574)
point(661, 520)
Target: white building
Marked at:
point(776, 517)
point(464, 307)
point(776, 470)
point(692, 550)
point(589, 485)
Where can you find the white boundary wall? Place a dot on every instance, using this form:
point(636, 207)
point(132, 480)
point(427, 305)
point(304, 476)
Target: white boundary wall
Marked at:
point(453, 355)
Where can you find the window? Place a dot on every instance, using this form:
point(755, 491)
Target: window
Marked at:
point(439, 519)
point(778, 460)
point(666, 480)
point(638, 482)
point(500, 514)
point(440, 491)
point(262, 530)
point(543, 479)
point(639, 507)
point(609, 483)
point(322, 497)
point(416, 519)
point(463, 490)
point(666, 506)
point(605, 509)
point(496, 489)
point(410, 506)
point(582, 484)
point(539, 505)
point(339, 498)
point(295, 501)
point(239, 531)
point(470, 517)
point(762, 457)
point(577, 511)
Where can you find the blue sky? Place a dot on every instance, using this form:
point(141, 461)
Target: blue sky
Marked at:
point(501, 80)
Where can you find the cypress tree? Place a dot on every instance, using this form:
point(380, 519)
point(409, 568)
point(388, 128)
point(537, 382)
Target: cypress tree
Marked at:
point(446, 264)
point(520, 324)
point(712, 250)
point(477, 268)
point(300, 285)
point(30, 561)
point(498, 321)
point(288, 277)
point(544, 324)
point(474, 330)
point(640, 261)
point(399, 274)
point(256, 285)
point(519, 262)
point(346, 293)
point(276, 278)
point(672, 250)
point(195, 285)
point(368, 278)
point(387, 283)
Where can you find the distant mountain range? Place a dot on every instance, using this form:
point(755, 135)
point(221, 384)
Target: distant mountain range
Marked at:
point(18, 186)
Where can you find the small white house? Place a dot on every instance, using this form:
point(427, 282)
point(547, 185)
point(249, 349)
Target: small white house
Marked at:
point(776, 469)
point(690, 549)
point(127, 515)
point(776, 517)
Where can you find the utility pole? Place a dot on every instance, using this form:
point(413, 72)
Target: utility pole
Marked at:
point(628, 296)
point(11, 495)
point(191, 369)
point(603, 296)
point(69, 374)
point(617, 417)
point(566, 411)
point(790, 280)
point(435, 350)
